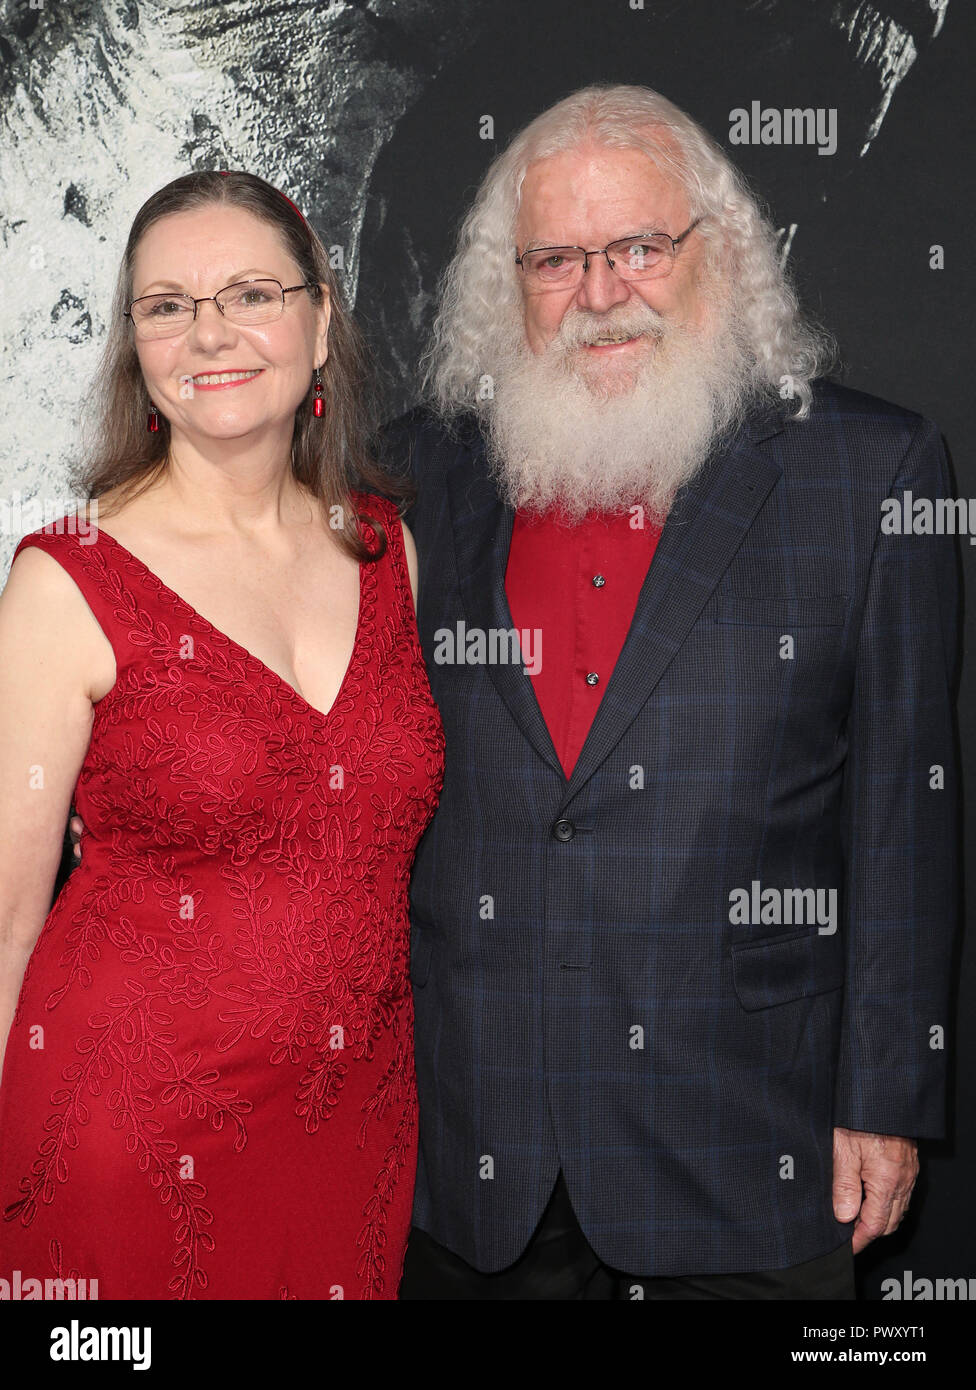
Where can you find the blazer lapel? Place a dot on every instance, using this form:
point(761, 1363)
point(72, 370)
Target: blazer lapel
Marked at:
point(702, 533)
point(482, 537)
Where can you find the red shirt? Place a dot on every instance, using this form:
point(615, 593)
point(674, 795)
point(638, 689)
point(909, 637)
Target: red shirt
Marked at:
point(578, 585)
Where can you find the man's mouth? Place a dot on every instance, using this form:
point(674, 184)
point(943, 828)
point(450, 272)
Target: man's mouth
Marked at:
point(609, 340)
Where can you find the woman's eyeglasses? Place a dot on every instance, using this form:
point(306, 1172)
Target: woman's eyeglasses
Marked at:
point(248, 302)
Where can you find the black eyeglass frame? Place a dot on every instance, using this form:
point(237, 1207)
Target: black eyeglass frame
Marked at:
point(603, 251)
point(178, 294)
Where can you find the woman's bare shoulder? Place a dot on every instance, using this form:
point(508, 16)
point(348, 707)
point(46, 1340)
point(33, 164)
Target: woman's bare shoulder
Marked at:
point(44, 615)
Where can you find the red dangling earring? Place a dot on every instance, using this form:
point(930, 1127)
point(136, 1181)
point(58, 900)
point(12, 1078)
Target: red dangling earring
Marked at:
point(152, 424)
point(319, 407)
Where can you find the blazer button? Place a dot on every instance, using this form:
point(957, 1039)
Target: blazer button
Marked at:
point(564, 830)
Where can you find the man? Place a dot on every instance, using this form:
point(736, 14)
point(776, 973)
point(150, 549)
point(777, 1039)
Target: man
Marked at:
point(682, 921)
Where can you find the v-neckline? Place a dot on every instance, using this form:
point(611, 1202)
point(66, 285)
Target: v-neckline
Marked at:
point(243, 651)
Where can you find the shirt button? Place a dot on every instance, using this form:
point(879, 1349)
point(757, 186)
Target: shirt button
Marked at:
point(598, 581)
point(592, 678)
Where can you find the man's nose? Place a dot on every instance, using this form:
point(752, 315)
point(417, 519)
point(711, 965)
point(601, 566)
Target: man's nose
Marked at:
point(601, 287)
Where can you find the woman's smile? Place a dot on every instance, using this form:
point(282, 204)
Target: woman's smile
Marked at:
point(218, 381)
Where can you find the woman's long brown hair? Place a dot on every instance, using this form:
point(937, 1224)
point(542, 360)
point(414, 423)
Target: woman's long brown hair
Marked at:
point(330, 455)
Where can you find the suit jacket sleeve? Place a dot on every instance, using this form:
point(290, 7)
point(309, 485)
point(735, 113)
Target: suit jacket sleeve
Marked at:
point(899, 825)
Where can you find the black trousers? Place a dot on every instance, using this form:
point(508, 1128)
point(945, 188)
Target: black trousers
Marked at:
point(558, 1262)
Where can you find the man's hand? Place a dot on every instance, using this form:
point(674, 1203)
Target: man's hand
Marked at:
point(887, 1165)
point(76, 825)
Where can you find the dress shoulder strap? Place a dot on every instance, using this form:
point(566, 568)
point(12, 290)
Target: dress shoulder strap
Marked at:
point(96, 568)
point(394, 561)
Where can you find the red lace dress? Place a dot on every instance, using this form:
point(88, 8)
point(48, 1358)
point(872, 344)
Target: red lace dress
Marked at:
point(208, 1089)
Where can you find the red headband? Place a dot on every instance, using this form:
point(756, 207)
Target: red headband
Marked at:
point(281, 195)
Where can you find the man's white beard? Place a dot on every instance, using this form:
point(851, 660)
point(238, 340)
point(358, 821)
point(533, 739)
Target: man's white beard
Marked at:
point(576, 432)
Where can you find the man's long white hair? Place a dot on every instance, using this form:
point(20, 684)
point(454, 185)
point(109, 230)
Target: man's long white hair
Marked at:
point(479, 292)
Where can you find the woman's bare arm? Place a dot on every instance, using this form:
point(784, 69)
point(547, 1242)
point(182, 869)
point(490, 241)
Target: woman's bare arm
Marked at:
point(52, 653)
point(410, 549)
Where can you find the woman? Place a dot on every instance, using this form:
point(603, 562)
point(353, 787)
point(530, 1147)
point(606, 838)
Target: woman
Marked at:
point(208, 1088)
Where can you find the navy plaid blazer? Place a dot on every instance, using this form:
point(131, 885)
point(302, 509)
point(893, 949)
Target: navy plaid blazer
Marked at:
point(584, 998)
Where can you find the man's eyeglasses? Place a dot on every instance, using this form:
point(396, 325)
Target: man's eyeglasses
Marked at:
point(644, 256)
point(248, 302)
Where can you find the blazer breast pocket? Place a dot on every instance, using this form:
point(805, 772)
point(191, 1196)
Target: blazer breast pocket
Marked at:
point(783, 611)
point(780, 968)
